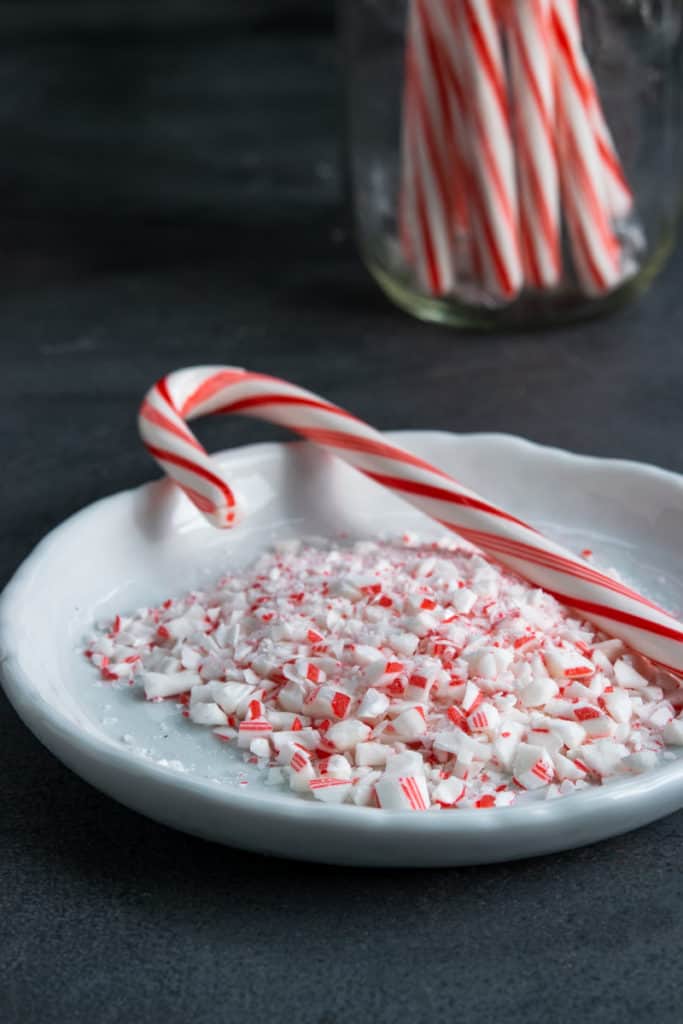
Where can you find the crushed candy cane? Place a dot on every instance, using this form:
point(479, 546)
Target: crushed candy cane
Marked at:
point(399, 675)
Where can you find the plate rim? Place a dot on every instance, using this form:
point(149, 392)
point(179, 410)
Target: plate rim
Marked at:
point(49, 724)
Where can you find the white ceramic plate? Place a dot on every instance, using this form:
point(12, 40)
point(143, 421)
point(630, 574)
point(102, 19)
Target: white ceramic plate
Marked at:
point(141, 546)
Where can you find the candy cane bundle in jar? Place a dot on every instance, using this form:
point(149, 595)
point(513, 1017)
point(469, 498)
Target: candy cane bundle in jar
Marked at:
point(512, 161)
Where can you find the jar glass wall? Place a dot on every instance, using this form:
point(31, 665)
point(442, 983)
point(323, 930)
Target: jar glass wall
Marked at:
point(513, 162)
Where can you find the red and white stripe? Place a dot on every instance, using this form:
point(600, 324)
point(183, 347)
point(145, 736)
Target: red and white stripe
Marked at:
point(618, 193)
point(470, 235)
point(595, 248)
point(425, 209)
point(454, 140)
point(300, 761)
point(198, 391)
point(330, 791)
point(402, 793)
point(413, 793)
point(533, 91)
point(477, 48)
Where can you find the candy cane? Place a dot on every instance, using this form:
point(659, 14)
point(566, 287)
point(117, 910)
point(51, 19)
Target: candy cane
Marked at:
point(455, 139)
point(197, 391)
point(596, 251)
point(533, 89)
point(471, 248)
point(475, 24)
point(426, 193)
point(619, 194)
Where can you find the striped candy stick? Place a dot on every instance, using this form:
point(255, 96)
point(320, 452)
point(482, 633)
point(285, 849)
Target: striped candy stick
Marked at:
point(619, 194)
point(533, 90)
point(425, 203)
point(475, 24)
point(198, 391)
point(595, 248)
point(470, 251)
point(455, 140)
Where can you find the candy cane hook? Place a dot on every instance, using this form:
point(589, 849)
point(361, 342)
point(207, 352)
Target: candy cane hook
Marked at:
point(198, 391)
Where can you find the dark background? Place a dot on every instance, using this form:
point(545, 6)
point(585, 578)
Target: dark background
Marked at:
point(170, 194)
point(138, 108)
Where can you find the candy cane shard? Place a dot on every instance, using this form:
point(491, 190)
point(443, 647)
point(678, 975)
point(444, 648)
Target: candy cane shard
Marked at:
point(197, 391)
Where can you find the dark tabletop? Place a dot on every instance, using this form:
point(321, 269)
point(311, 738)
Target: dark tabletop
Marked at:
point(169, 194)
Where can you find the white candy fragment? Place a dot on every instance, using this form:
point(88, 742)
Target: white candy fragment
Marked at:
point(568, 664)
point(327, 701)
point(207, 714)
point(402, 792)
point(602, 757)
point(190, 658)
point(482, 663)
point(611, 649)
point(330, 790)
point(595, 723)
point(159, 684)
point(538, 693)
point(346, 735)
point(505, 798)
point(372, 754)
point(567, 769)
point(464, 600)
point(337, 767)
point(363, 793)
point(420, 624)
point(411, 724)
point(532, 766)
point(571, 733)
point(291, 697)
point(485, 718)
point(225, 733)
point(626, 675)
point(363, 654)
point(404, 643)
point(301, 771)
point(643, 761)
point(506, 742)
point(409, 762)
point(619, 706)
point(471, 698)
point(307, 738)
point(661, 716)
point(448, 792)
point(373, 705)
point(672, 733)
point(230, 696)
point(542, 736)
point(260, 748)
point(255, 728)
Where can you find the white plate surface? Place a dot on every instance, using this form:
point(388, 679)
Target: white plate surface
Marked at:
point(141, 546)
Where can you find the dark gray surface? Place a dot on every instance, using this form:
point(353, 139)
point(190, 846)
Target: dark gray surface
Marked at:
point(196, 220)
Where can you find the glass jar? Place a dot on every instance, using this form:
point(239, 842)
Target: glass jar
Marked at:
point(513, 162)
